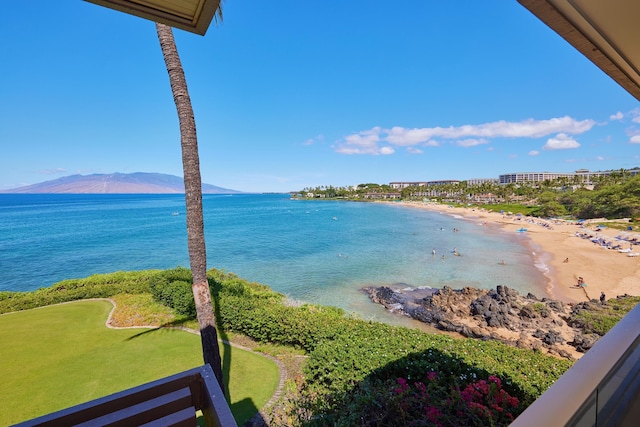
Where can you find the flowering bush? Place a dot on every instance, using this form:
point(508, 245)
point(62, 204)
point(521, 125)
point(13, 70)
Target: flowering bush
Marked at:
point(432, 403)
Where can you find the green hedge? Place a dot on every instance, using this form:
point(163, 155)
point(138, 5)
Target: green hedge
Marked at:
point(173, 289)
point(96, 286)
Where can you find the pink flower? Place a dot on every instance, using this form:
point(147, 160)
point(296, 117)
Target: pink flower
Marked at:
point(432, 376)
point(432, 413)
point(513, 401)
point(496, 380)
point(482, 386)
point(403, 386)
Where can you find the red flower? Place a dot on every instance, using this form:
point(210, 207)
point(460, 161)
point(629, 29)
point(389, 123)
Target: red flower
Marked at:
point(432, 413)
point(513, 401)
point(496, 380)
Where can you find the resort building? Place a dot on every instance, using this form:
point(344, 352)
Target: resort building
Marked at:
point(382, 196)
point(480, 181)
point(444, 182)
point(586, 176)
point(521, 177)
point(401, 185)
point(404, 184)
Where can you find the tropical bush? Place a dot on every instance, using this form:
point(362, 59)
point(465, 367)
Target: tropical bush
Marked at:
point(173, 289)
point(429, 401)
point(95, 286)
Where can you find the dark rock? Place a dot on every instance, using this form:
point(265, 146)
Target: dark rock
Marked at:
point(582, 343)
point(564, 353)
point(491, 314)
point(543, 311)
point(554, 305)
point(527, 312)
point(552, 337)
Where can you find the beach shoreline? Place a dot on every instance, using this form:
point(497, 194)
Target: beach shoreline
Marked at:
point(564, 251)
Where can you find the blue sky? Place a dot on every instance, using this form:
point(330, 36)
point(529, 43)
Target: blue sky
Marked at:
point(297, 94)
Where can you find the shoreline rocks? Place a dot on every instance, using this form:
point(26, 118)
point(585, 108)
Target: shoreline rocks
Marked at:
point(499, 314)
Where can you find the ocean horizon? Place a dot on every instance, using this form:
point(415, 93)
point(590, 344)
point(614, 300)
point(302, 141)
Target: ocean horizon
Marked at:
point(315, 251)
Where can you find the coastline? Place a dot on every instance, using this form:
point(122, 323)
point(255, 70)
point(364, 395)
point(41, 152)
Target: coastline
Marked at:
point(554, 241)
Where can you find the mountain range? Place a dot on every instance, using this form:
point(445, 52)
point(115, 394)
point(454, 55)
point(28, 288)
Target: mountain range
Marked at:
point(117, 183)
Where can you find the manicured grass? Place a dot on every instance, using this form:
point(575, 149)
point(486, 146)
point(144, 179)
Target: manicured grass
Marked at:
point(59, 356)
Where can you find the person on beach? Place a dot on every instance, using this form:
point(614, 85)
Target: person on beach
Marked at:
point(566, 259)
point(581, 283)
point(603, 297)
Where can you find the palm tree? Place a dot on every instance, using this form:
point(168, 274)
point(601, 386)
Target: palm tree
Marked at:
point(193, 197)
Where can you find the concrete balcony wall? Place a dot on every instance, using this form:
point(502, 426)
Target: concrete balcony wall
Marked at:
point(601, 389)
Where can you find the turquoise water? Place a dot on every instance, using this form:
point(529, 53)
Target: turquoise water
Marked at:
point(313, 251)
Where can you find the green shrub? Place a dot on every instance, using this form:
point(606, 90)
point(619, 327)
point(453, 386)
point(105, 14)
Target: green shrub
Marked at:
point(268, 320)
point(95, 286)
point(173, 289)
point(600, 318)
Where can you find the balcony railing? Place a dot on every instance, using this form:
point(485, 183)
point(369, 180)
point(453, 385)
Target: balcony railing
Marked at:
point(601, 389)
point(170, 401)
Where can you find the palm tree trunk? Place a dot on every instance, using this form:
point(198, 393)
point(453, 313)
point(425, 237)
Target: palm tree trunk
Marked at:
point(193, 196)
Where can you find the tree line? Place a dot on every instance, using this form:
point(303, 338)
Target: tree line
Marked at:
point(615, 195)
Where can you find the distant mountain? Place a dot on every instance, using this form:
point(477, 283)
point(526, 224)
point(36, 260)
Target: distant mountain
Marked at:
point(117, 183)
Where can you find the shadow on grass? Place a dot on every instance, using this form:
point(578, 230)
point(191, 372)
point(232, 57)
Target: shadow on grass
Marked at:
point(244, 411)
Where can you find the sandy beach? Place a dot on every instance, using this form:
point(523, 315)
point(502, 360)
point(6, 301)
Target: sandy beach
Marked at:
point(571, 252)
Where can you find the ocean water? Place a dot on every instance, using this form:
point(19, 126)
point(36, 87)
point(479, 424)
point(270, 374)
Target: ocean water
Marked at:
point(322, 252)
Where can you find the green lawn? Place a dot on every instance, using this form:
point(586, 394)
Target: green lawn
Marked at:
point(58, 356)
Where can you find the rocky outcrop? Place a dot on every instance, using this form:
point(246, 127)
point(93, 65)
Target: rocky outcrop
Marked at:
point(499, 314)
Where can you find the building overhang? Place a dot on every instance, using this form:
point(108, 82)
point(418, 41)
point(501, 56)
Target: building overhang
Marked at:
point(194, 16)
point(606, 32)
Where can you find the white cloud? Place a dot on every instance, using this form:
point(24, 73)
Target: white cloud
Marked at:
point(314, 140)
point(502, 129)
point(414, 150)
point(617, 116)
point(561, 141)
point(471, 142)
point(599, 158)
point(367, 142)
point(635, 115)
point(635, 139)
point(403, 137)
point(534, 152)
point(54, 171)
